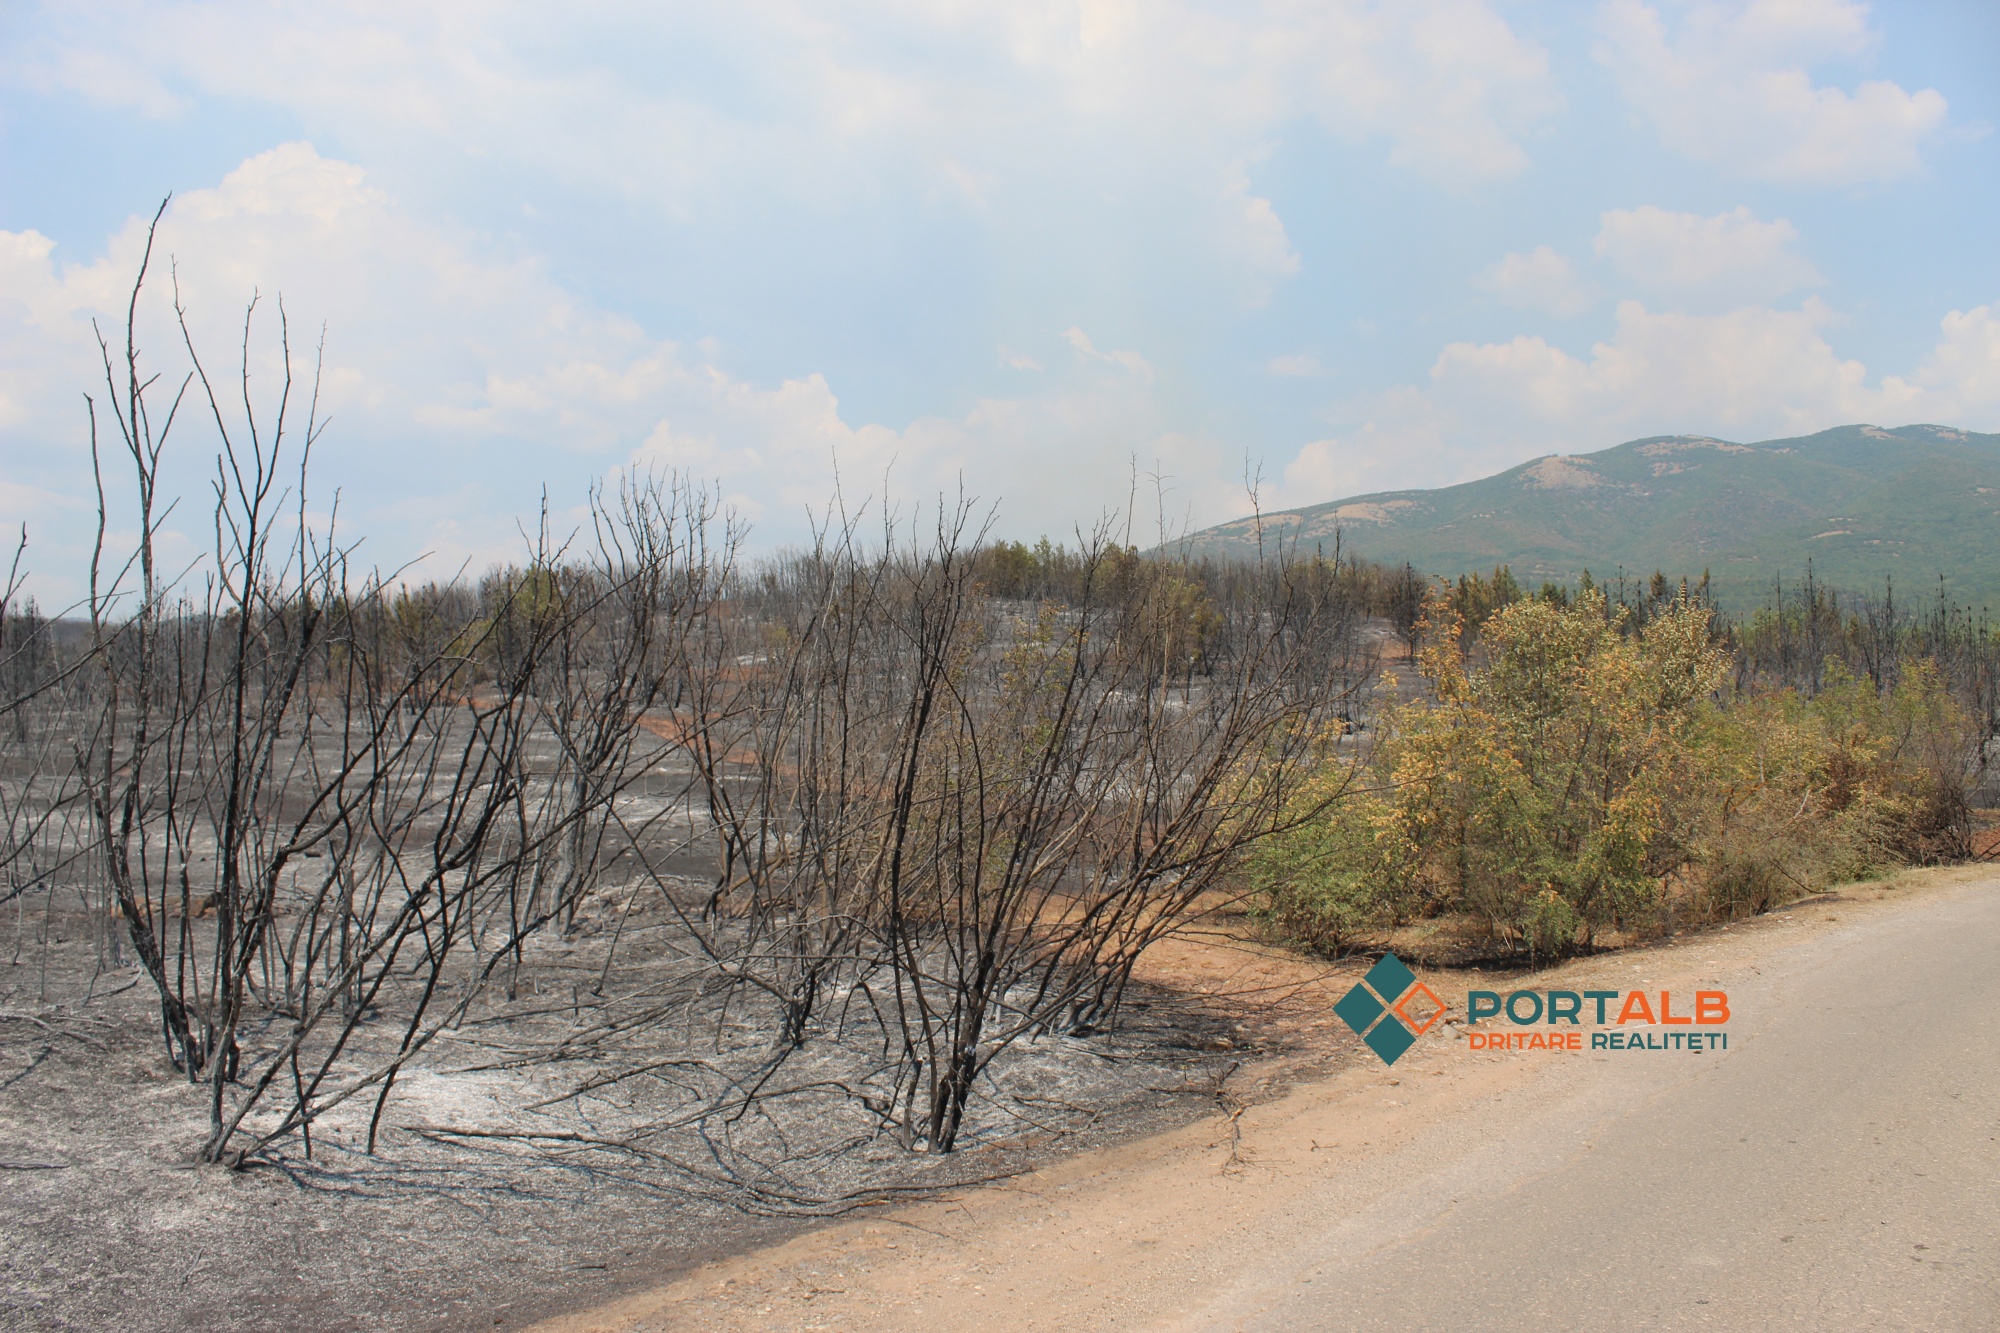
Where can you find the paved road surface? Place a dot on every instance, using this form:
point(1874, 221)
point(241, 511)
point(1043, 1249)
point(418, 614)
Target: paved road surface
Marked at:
point(1838, 1170)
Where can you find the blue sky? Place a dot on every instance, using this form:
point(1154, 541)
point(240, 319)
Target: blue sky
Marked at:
point(1029, 249)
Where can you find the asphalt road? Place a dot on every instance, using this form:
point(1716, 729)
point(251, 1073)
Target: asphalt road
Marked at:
point(1837, 1169)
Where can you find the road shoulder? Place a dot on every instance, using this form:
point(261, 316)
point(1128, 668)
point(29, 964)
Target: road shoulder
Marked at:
point(1137, 1235)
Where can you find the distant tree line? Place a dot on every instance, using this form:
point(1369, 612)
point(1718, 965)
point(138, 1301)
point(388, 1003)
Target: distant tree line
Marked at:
point(1802, 628)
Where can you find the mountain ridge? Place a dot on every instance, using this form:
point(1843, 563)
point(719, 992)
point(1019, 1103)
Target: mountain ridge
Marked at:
point(1862, 503)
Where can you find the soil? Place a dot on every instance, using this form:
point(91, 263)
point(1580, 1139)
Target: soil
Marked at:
point(1117, 1237)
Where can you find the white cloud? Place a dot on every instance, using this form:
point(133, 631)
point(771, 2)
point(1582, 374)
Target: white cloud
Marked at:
point(1751, 373)
point(826, 107)
point(1730, 259)
point(1754, 371)
point(1477, 88)
point(1133, 363)
point(108, 77)
point(460, 381)
point(1731, 85)
point(445, 369)
point(1961, 376)
point(1048, 463)
point(1539, 280)
point(1447, 83)
point(1258, 235)
point(1689, 262)
point(1403, 440)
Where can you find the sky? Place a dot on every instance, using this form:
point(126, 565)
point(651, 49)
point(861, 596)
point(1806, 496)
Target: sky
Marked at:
point(1154, 259)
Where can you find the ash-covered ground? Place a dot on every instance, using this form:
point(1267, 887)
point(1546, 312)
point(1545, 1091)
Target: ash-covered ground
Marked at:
point(108, 1222)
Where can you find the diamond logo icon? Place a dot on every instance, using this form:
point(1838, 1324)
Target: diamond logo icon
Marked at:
point(1389, 1040)
point(1389, 978)
point(1358, 1009)
point(1419, 992)
point(1378, 1009)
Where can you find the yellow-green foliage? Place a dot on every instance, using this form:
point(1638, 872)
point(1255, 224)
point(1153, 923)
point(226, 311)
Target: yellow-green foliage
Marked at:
point(1568, 777)
point(1852, 781)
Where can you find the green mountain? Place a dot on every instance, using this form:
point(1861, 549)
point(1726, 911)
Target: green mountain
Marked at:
point(1861, 503)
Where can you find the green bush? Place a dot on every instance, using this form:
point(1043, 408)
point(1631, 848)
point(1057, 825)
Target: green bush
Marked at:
point(1564, 776)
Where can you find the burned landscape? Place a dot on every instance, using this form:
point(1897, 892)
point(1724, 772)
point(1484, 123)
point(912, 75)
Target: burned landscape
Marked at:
point(457, 952)
point(982, 668)
point(698, 885)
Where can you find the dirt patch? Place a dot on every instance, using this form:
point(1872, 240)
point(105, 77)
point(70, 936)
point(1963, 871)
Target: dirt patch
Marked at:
point(1561, 473)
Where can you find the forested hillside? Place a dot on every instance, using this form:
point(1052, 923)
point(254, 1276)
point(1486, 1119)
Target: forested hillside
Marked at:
point(1862, 504)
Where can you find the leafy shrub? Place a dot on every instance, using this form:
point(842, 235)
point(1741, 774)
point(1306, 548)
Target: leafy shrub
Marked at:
point(1565, 775)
